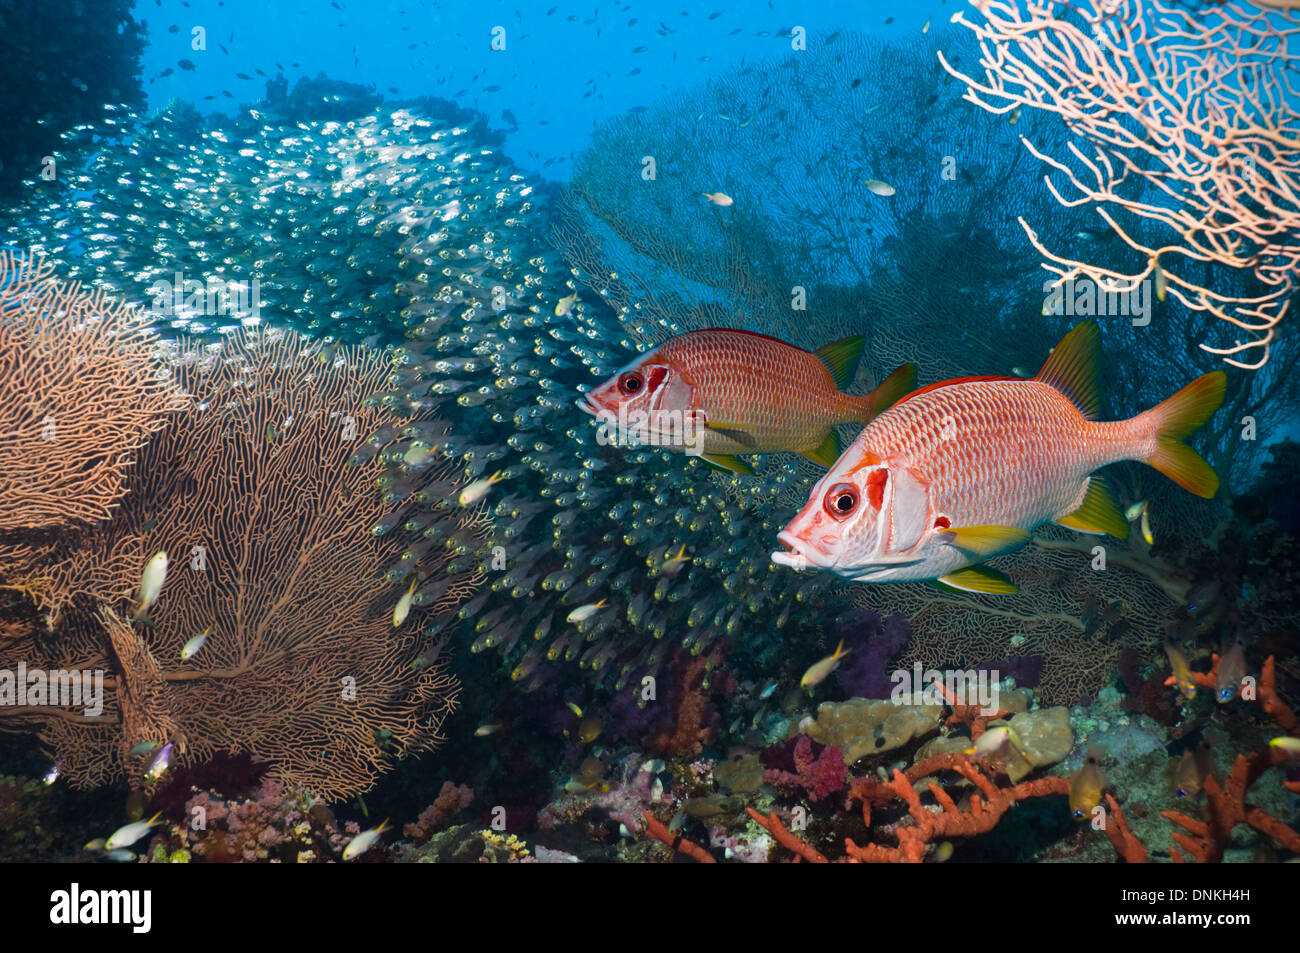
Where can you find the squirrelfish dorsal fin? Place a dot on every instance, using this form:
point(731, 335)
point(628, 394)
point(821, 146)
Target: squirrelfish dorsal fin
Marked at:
point(841, 358)
point(1072, 368)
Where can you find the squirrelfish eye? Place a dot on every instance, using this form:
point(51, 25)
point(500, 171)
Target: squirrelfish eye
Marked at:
point(841, 500)
point(630, 382)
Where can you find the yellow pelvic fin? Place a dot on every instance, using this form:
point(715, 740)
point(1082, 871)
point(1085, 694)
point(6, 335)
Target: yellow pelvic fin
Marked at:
point(1072, 368)
point(841, 358)
point(726, 463)
point(826, 452)
point(980, 579)
point(1099, 512)
point(985, 541)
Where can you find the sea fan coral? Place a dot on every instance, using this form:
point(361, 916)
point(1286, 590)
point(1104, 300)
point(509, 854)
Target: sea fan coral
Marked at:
point(278, 547)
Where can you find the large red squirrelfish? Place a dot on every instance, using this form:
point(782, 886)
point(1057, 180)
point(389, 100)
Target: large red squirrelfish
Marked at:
point(963, 470)
point(718, 393)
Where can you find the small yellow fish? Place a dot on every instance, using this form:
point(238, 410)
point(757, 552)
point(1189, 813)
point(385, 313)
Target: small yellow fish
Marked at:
point(1146, 524)
point(1086, 786)
point(1182, 672)
point(994, 740)
point(1135, 510)
point(1290, 747)
point(818, 671)
point(583, 613)
point(565, 305)
point(191, 648)
point(479, 489)
point(589, 730)
point(403, 607)
point(484, 730)
point(574, 708)
point(1162, 286)
point(673, 564)
point(151, 582)
point(363, 841)
point(876, 187)
point(128, 834)
point(719, 198)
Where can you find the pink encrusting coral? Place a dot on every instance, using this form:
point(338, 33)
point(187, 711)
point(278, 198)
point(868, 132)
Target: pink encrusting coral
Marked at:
point(819, 771)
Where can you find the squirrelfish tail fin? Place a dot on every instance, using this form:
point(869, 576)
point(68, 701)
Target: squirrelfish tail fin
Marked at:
point(1175, 419)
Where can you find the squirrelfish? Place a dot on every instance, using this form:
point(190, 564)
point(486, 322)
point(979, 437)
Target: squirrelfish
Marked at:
point(151, 582)
point(963, 470)
point(818, 671)
point(128, 834)
point(1182, 672)
point(719, 392)
point(1232, 669)
point(363, 841)
point(1086, 786)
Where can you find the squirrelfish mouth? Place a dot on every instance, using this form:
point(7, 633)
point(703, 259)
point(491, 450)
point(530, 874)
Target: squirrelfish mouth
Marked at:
point(793, 555)
point(589, 406)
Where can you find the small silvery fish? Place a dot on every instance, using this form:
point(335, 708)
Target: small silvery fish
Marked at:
point(719, 198)
point(876, 187)
point(142, 748)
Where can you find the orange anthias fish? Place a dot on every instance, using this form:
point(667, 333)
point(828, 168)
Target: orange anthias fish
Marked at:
point(718, 393)
point(963, 470)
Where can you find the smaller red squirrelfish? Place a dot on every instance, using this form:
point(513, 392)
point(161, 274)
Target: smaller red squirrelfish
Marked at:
point(718, 393)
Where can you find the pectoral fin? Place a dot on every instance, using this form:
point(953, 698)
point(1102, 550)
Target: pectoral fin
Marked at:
point(734, 432)
point(1099, 513)
point(985, 541)
point(726, 463)
point(982, 579)
point(827, 452)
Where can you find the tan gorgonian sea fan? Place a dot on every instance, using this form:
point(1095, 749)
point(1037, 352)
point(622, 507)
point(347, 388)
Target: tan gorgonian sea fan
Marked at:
point(81, 390)
point(263, 493)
